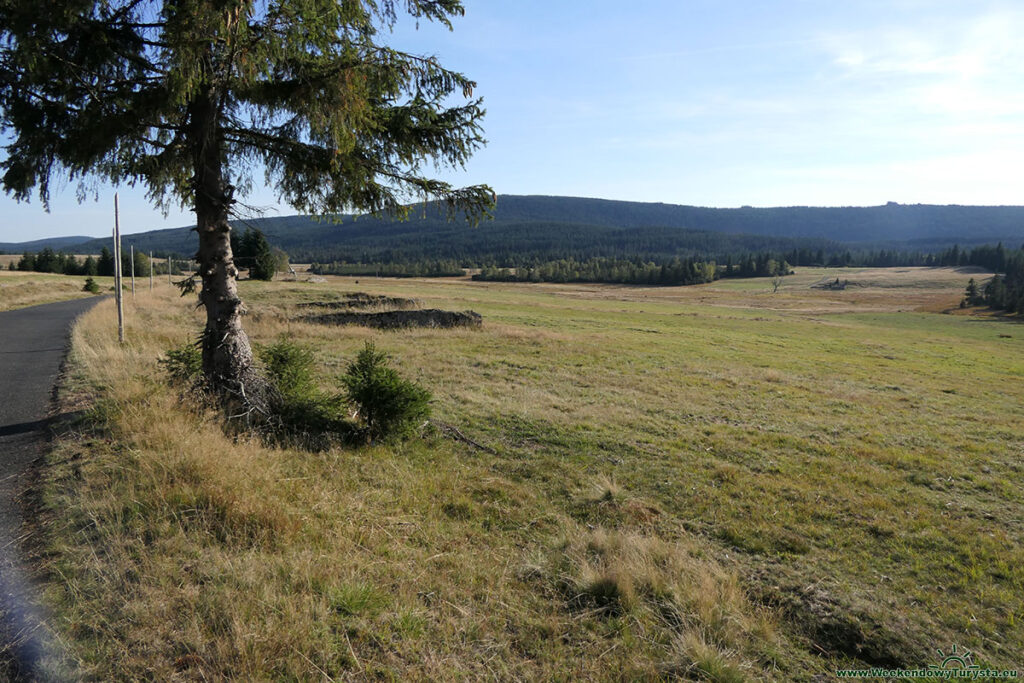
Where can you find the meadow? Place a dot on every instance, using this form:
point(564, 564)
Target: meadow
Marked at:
point(717, 482)
point(18, 289)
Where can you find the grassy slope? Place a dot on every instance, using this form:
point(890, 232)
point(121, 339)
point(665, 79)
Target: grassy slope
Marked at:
point(714, 479)
point(18, 290)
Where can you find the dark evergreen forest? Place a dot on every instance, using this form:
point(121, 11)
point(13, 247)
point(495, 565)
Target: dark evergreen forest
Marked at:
point(530, 230)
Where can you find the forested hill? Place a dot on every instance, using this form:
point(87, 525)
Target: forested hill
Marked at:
point(58, 243)
point(500, 241)
point(569, 227)
point(872, 224)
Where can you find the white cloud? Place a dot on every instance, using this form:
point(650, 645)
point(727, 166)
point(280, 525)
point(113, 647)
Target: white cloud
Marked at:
point(985, 46)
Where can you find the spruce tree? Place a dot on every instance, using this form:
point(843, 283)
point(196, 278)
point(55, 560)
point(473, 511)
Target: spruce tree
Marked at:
point(71, 265)
point(253, 252)
point(47, 261)
point(972, 296)
point(105, 263)
point(195, 98)
point(264, 264)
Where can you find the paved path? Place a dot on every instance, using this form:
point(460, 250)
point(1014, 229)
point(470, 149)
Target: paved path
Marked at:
point(33, 342)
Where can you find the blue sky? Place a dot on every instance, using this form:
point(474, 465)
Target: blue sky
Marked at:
point(712, 103)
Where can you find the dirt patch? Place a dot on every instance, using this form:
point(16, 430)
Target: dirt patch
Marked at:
point(392, 320)
point(357, 300)
point(835, 285)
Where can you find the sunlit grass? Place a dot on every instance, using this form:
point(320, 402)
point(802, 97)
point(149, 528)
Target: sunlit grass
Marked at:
point(706, 481)
point(18, 290)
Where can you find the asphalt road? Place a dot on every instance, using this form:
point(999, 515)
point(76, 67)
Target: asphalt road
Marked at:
point(33, 342)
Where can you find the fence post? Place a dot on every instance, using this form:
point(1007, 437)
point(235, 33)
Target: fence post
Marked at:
point(117, 273)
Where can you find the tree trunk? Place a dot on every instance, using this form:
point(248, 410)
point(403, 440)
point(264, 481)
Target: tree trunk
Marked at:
point(227, 355)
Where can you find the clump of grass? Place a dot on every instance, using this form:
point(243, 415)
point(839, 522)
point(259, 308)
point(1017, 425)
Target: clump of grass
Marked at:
point(697, 658)
point(672, 584)
point(351, 599)
point(608, 505)
point(608, 490)
point(460, 509)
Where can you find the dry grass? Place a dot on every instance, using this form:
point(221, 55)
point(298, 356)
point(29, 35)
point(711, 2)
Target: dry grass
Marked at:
point(18, 290)
point(682, 486)
point(617, 573)
point(185, 553)
point(881, 290)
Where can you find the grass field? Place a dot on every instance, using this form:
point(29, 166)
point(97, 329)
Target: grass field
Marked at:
point(715, 482)
point(18, 289)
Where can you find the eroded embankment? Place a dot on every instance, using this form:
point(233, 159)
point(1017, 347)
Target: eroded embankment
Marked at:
point(391, 320)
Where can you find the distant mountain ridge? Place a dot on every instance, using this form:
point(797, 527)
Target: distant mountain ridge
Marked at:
point(578, 227)
point(55, 243)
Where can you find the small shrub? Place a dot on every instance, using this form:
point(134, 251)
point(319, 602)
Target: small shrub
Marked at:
point(184, 363)
point(91, 286)
point(388, 405)
point(299, 405)
point(290, 367)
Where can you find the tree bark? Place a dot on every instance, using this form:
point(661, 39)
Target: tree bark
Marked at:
point(227, 354)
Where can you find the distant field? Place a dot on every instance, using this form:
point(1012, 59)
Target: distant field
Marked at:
point(715, 482)
point(18, 289)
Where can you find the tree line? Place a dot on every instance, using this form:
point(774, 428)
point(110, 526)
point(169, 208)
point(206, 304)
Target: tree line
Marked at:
point(674, 272)
point(534, 245)
point(1005, 291)
point(443, 268)
point(251, 249)
point(553, 228)
point(49, 261)
point(985, 256)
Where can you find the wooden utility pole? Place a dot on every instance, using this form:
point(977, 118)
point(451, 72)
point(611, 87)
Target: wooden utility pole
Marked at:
point(133, 270)
point(150, 271)
point(168, 269)
point(117, 273)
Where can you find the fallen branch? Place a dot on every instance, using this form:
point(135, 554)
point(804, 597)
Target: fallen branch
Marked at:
point(453, 432)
